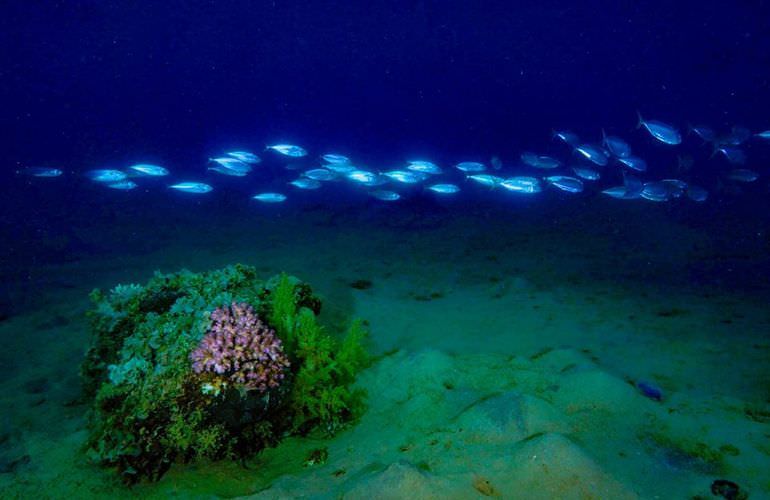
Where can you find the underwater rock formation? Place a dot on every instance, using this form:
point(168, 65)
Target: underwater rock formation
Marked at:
point(215, 365)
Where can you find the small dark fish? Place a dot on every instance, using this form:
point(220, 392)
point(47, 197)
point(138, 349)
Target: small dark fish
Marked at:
point(650, 390)
point(704, 132)
point(742, 175)
point(733, 155)
point(42, 172)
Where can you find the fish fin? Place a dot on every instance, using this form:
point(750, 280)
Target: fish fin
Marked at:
point(641, 120)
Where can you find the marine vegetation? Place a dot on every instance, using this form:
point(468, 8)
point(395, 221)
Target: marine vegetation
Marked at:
point(215, 365)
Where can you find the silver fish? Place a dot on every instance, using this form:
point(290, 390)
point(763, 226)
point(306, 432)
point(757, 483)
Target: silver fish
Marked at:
point(385, 195)
point(565, 183)
point(340, 168)
point(742, 175)
point(306, 183)
point(737, 136)
point(539, 161)
point(320, 174)
point(569, 138)
point(704, 132)
point(697, 193)
point(732, 154)
point(42, 172)
point(149, 170)
point(765, 134)
point(335, 158)
point(288, 150)
point(192, 187)
point(106, 175)
point(403, 176)
point(616, 146)
point(657, 191)
point(592, 153)
point(444, 188)
point(231, 164)
point(228, 171)
point(525, 185)
point(425, 167)
point(362, 176)
point(486, 179)
point(634, 163)
point(470, 166)
point(122, 185)
point(269, 197)
point(663, 132)
point(586, 173)
point(245, 157)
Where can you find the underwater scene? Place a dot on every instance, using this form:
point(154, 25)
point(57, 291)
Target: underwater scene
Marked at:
point(385, 249)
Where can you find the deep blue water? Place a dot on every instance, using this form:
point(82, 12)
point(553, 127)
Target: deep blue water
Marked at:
point(93, 84)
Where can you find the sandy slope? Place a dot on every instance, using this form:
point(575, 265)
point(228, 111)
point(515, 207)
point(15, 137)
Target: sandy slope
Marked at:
point(509, 372)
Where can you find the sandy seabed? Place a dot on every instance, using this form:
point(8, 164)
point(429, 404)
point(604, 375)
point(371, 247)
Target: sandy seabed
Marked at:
point(507, 365)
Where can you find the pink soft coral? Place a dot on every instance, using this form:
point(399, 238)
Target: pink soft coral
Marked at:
point(241, 349)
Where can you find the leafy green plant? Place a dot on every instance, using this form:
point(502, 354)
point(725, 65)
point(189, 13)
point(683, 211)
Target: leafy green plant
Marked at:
point(150, 409)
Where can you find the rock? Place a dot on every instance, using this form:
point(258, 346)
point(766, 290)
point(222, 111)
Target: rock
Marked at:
point(728, 489)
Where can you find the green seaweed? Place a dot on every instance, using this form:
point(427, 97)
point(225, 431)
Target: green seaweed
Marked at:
point(151, 410)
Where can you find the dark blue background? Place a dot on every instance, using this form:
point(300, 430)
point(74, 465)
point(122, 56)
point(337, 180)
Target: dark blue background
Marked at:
point(87, 82)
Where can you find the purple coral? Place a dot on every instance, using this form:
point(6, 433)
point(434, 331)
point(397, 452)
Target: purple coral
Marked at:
point(241, 348)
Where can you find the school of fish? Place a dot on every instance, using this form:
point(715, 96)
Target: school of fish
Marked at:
point(580, 164)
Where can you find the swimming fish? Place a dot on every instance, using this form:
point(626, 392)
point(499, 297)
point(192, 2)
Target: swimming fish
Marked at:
point(149, 170)
point(385, 195)
point(634, 163)
point(403, 176)
point(742, 175)
point(320, 174)
point(765, 134)
point(228, 171)
point(737, 136)
point(732, 154)
point(122, 185)
point(704, 132)
point(485, 179)
point(340, 168)
point(306, 183)
point(288, 150)
point(565, 183)
point(525, 185)
point(362, 176)
point(697, 193)
point(539, 161)
point(667, 134)
point(192, 187)
point(569, 138)
point(594, 154)
point(444, 188)
point(42, 172)
point(426, 167)
point(616, 146)
point(656, 191)
point(106, 175)
point(269, 197)
point(586, 173)
point(335, 158)
point(245, 157)
point(230, 166)
point(470, 166)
